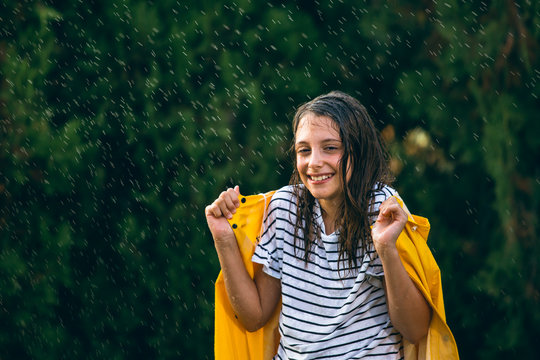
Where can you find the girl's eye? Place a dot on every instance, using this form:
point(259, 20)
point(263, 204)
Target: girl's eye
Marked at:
point(302, 150)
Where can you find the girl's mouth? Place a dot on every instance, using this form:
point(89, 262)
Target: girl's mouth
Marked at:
point(319, 178)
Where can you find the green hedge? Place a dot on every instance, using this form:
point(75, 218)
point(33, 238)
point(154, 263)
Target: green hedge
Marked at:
point(120, 121)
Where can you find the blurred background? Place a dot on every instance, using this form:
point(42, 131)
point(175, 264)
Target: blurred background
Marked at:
point(121, 120)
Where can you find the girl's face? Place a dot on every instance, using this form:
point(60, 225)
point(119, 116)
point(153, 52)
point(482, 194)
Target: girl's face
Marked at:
point(319, 150)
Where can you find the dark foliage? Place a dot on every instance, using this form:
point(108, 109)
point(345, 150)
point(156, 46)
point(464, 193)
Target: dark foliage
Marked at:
point(120, 120)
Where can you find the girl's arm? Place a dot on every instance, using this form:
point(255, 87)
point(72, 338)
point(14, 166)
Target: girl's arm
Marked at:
point(254, 300)
point(409, 311)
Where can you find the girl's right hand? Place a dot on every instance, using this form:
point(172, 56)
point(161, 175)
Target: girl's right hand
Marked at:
point(217, 214)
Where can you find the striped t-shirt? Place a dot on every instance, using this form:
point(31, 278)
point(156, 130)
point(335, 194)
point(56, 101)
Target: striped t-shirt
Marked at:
point(327, 313)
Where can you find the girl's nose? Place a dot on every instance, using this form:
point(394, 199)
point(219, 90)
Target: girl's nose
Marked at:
point(315, 160)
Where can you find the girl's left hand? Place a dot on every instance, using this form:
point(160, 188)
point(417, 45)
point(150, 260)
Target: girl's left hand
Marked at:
point(389, 224)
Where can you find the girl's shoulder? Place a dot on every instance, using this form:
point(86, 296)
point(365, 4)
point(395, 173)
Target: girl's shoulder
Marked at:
point(380, 193)
point(287, 193)
point(383, 191)
point(285, 198)
point(283, 204)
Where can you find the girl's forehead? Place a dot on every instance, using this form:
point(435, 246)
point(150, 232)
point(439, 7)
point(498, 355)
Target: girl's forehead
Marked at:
point(311, 122)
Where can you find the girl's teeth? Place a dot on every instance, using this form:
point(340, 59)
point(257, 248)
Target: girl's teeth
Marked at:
point(320, 178)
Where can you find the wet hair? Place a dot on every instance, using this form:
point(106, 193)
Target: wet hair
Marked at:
point(366, 155)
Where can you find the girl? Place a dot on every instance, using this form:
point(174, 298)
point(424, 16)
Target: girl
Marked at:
point(345, 293)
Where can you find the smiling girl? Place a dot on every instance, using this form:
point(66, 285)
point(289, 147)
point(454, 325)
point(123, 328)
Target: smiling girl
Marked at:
point(328, 248)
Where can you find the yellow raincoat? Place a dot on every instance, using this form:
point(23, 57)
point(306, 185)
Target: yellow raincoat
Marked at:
point(233, 342)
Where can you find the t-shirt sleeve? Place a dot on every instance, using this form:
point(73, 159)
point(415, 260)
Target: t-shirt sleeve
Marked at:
point(269, 249)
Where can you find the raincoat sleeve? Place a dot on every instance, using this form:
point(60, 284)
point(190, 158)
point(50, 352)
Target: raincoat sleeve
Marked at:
point(231, 340)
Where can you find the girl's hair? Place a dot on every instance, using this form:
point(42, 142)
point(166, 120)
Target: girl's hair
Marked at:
point(365, 154)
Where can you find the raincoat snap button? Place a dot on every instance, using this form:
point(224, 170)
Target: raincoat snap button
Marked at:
point(414, 227)
point(234, 226)
point(243, 200)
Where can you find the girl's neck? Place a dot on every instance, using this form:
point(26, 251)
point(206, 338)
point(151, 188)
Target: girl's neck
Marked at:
point(329, 211)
